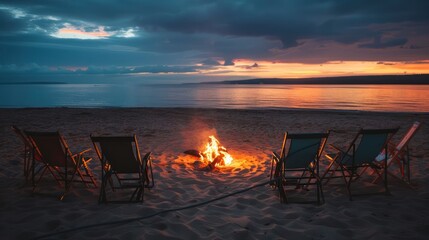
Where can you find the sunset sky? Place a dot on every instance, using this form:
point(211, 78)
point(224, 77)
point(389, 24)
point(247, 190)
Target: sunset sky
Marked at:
point(192, 41)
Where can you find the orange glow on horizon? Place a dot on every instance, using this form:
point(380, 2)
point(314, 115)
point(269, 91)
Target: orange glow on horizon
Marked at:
point(266, 69)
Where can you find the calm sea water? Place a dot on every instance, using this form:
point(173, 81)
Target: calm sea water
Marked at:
point(392, 98)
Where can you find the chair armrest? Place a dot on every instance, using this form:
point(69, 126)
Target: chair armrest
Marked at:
point(276, 157)
point(336, 156)
point(147, 156)
point(81, 153)
point(145, 160)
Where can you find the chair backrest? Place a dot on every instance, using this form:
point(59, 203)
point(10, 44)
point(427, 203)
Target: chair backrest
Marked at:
point(407, 137)
point(52, 148)
point(303, 149)
point(372, 142)
point(22, 136)
point(119, 152)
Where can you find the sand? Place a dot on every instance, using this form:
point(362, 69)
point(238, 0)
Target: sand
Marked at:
point(250, 136)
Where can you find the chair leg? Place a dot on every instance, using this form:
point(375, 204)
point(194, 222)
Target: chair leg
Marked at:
point(40, 177)
point(135, 193)
point(298, 184)
point(88, 172)
point(318, 189)
point(408, 166)
point(347, 183)
point(386, 187)
point(102, 197)
point(82, 178)
point(141, 192)
point(321, 191)
point(349, 187)
point(332, 172)
point(282, 194)
point(26, 164)
point(150, 180)
point(69, 183)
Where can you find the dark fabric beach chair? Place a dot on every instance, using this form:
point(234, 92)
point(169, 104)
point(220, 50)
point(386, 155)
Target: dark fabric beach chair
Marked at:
point(123, 167)
point(399, 154)
point(57, 158)
point(359, 156)
point(298, 163)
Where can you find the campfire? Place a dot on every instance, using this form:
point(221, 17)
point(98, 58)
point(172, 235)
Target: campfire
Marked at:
point(214, 155)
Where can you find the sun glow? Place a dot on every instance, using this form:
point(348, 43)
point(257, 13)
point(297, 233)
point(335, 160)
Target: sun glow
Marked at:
point(80, 33)
point(266, 69)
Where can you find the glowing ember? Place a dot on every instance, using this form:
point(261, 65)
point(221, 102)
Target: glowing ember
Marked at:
point(215, 153)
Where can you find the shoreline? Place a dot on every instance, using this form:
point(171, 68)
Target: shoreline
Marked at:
point(315, 110)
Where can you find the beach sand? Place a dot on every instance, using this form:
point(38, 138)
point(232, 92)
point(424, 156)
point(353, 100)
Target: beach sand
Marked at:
point(250, 136)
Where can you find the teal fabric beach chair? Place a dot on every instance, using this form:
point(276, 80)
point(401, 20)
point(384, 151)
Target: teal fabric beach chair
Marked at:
point(399, 154)
point(298, 163)
point(123, 167)
point(57, 158)
point(359, 156)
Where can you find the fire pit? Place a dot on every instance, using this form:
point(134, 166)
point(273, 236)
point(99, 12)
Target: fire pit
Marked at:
point(214, 155)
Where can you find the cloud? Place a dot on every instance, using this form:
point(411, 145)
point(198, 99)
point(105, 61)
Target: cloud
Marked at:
point(192, 32)
point(210, 62)
point(255, 65)
point(35, 68)
point(9, 24)
point(229, 62)
point(386, 63)
point(385, 43)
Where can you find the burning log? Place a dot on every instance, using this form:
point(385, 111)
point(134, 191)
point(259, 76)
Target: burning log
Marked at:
point(193, 152)
point(214, 155)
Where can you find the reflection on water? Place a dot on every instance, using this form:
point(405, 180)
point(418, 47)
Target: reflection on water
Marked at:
point(402, 98)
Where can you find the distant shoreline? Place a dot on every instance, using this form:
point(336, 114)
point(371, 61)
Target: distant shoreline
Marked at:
point(415, 79)
point(32, 83)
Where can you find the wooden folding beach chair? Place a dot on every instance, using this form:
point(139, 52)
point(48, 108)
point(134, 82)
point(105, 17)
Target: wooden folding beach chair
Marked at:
point(56, 157)
point(298, 163)
point(399, 155)
point(122, 166)
point(359, 156)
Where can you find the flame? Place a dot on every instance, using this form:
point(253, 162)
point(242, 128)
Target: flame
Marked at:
point(214, 150)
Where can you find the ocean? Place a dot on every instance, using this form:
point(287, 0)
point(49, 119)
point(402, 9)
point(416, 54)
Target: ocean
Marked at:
point(388, 98)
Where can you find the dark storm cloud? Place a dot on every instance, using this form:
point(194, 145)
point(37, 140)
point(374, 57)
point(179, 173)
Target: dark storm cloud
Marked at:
point(210, 62)
point(379, 43)
point(10, 25)
point(35, 68)
point(186, 32)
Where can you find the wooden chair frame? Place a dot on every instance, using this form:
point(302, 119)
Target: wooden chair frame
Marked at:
point(307, 165)
point(130, 172)
point(56, 157)
point(349, 162)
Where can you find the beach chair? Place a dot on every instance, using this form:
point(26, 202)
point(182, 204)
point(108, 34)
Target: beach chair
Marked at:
point(27, 153)
point(57, 158)
point(399, 155)
point(122, 166)
point(359, 156)
point(298, 163)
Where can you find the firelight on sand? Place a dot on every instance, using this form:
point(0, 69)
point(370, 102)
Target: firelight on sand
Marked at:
point(216, 154)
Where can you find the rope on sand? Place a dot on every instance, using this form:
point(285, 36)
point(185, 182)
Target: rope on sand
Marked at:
point(128, 220)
